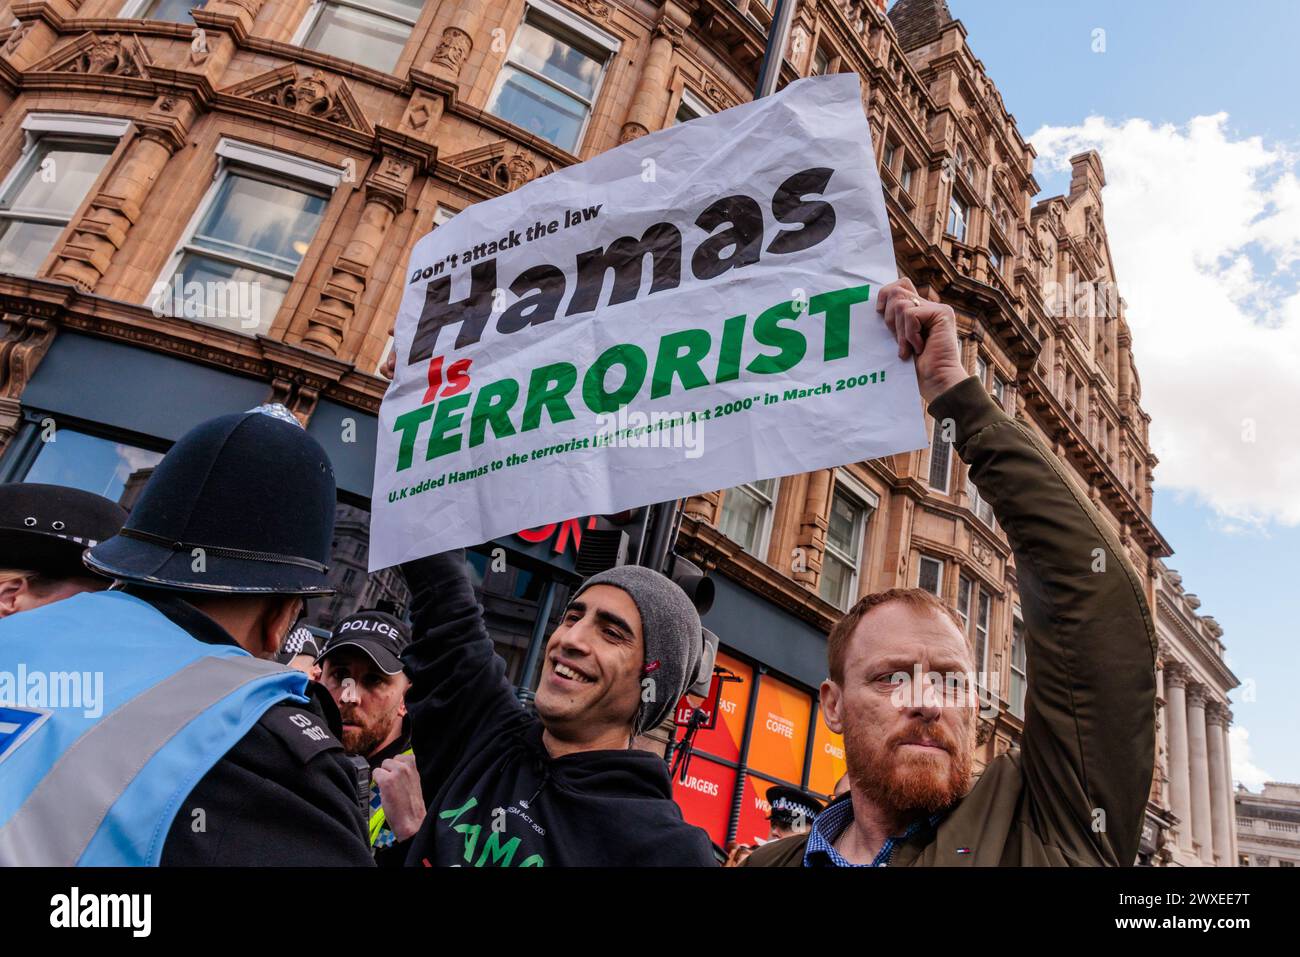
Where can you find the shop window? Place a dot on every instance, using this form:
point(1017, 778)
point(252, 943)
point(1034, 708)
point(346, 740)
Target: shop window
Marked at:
point(706, 796)
point(714, 796)
point(1019, 667)
point(512, 597)
point(851, 508)
point(551, 75)
point(747, 515)
point(779, 737)
point(723, 740)
point(929, 575)
point(64, 156)
point(247, 239)
point(691, 107)
point(113, 469)
point(370, 32)
point(940, 459)
point(174, 11)
point(828, 761)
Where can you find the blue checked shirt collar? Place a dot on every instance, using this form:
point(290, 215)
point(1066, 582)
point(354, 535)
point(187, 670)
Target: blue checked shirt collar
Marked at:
point(833, 821)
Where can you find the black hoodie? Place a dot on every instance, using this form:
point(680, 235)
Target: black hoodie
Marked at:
point(496, 797)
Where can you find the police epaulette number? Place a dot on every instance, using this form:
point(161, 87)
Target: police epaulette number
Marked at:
point(304, 733)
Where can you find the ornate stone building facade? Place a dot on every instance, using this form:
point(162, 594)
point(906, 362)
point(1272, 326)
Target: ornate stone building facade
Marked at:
point(1268, 826)
point(298, 148)
point(1194, 766)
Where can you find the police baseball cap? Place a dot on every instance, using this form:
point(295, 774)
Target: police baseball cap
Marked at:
point(301, 641)
point(380, 635)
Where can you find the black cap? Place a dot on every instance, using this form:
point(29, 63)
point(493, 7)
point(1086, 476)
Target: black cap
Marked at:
point(46, 528)
point(242, 504)
point(790, 804)
point(301, 641)
point(379, 634)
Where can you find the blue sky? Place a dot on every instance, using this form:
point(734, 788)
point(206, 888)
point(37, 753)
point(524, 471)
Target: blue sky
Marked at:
point(1192, 106)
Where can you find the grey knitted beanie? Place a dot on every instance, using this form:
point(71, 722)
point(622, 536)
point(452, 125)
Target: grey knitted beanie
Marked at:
point(670, 626)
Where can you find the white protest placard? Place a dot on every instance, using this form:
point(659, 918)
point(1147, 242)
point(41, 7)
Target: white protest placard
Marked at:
point(690, 311)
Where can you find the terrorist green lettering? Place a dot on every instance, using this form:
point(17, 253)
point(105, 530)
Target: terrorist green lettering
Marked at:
point(686, 359)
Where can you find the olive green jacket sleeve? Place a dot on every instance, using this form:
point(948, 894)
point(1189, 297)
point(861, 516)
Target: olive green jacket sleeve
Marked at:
point(1088, 747)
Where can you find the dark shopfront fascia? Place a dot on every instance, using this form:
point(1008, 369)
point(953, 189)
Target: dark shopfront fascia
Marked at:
point(99, 414)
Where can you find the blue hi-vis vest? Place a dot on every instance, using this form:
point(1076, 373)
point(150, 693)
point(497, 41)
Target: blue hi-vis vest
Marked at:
point(109, 716)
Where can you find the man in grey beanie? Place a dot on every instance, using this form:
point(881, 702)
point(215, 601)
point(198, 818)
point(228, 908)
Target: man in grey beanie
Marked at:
point(672, 638)
point(563, 786)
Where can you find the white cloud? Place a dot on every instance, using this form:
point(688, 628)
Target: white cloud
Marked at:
point(1244, 771)
point(1204, 228)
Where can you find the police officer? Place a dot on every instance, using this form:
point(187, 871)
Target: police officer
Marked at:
point(300, 650)
point(793, 811)
point(199, 751)
point(44, 529)
point(362, 669)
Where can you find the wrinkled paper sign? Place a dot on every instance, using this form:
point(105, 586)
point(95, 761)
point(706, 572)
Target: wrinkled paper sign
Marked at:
point(690, 311)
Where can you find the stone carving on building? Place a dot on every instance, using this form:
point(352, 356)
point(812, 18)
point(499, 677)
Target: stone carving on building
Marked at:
point(507, 171)
point(597, 8)
point(114, 55)
point(630, 132)
point(452, 50)
point(17, 36)
point(314, 94)
point(716, 93)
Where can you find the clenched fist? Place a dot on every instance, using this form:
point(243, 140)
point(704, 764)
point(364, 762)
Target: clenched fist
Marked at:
point(926, 330)
point(399, 790)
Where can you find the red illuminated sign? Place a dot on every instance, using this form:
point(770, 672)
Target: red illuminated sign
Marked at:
point(709, 706)
point(570, 528)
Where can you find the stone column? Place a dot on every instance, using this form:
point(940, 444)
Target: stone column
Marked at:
point(651, 97)
point(1180, 794)
point(1234, 853)
point(385, 197)
point(101, 231)
point(1216, 715)
point(1199, 766)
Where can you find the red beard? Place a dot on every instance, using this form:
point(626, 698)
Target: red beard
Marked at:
point(907, 781)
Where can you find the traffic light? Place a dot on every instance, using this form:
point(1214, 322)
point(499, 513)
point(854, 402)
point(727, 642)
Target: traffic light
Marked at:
point(613, 541)
point(692, 580)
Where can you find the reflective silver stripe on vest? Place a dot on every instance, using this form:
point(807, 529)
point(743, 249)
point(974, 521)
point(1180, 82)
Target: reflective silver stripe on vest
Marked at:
point(55, 824)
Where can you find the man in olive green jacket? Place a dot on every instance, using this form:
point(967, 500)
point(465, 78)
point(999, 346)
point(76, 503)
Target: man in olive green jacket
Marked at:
point(1075, 791)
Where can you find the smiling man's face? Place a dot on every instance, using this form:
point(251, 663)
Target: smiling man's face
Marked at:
point(591, 676)
point(908, 747)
